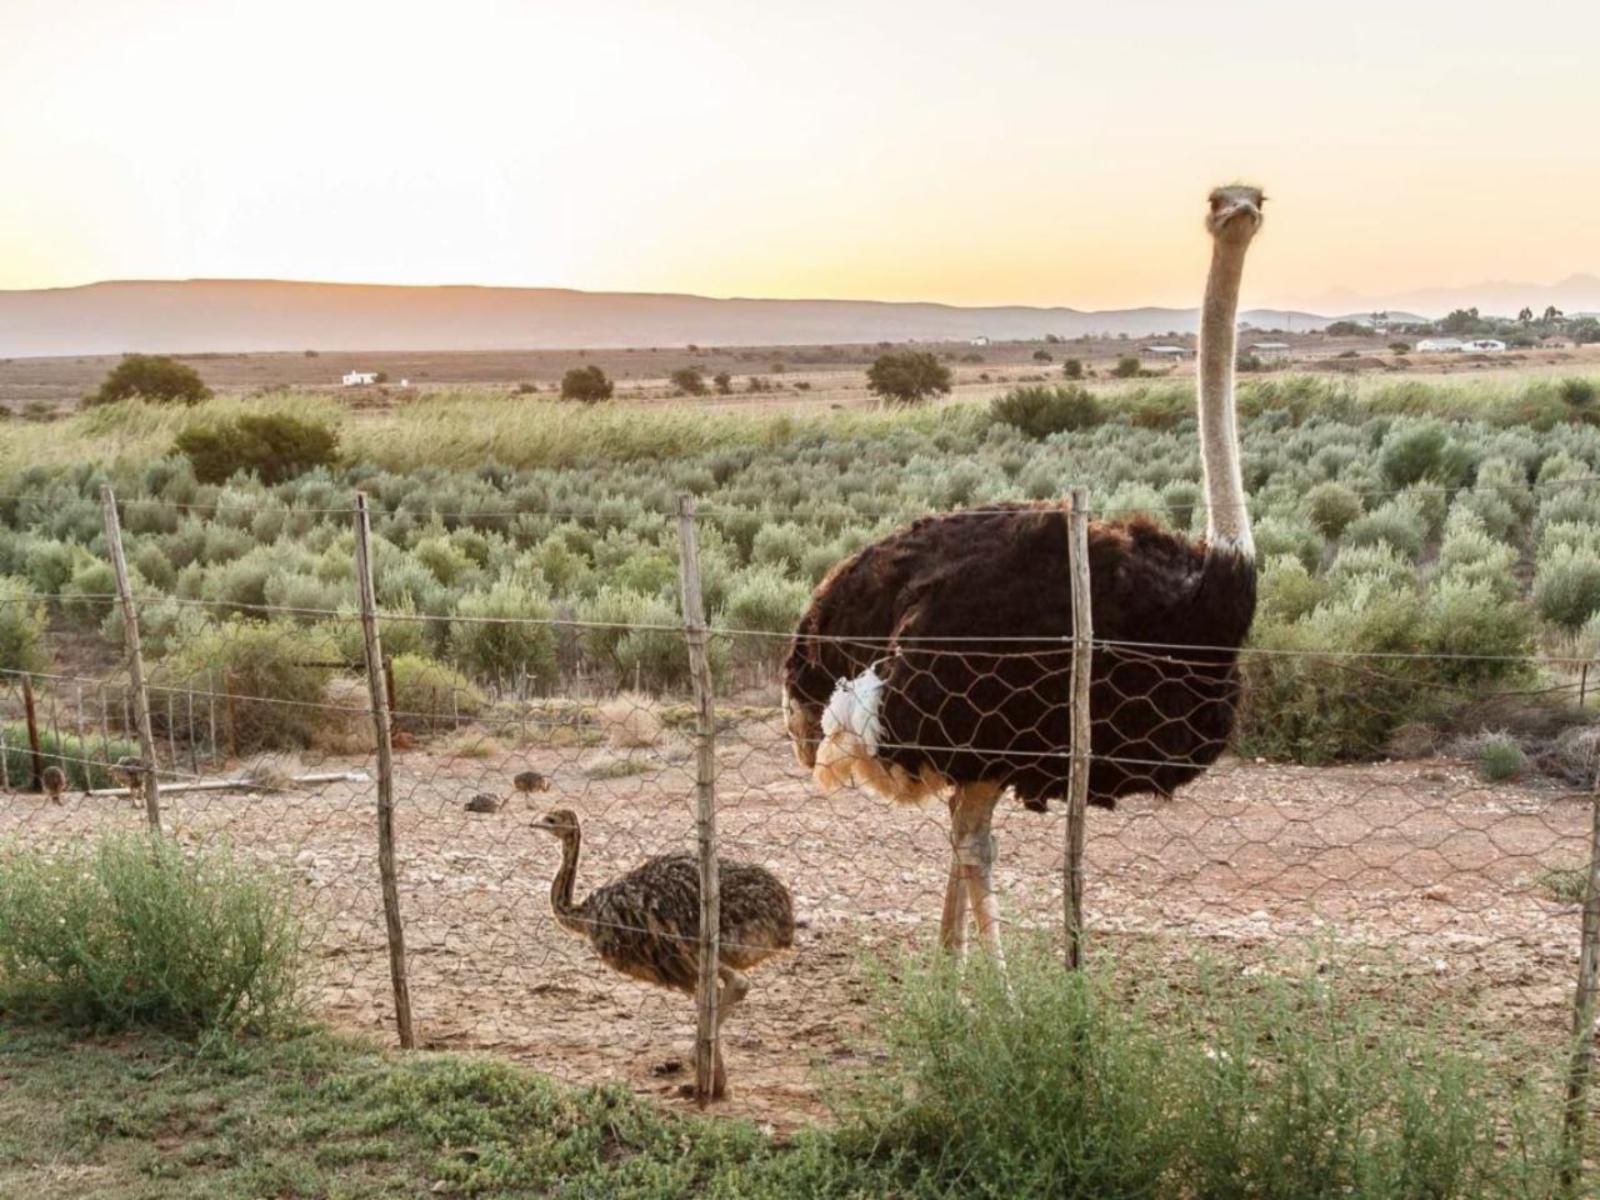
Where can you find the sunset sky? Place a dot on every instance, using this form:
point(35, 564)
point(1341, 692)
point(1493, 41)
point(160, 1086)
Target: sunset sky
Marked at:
point(1041, 152)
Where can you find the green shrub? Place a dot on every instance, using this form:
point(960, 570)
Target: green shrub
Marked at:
point(1416, 452)
point(1332, 507)
point(272, 446)
point(1566, 587)
point(89, 595)
point(1039, 412)
point(505, 630)
point(1498, 757)
point(1288, 590)
point(22, 627)
point(1285, 1085)
point(1072, 368)
point(273, 671)
point(763, 600)
point(588, 385)
point(907, 376)
point(138, 932)
point(428, 692)
point(1398, 522)
point(689, 381)
point(153, 377)
point(1578, 393)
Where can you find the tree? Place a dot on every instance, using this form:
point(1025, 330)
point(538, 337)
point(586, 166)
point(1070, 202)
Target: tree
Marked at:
point(273, 446)
point(723, 382)
point(152, 377)
point(1526, 315)
point(1462, 320)
point(1127, 367)
point(1043, 356)
point(908, 376)
point(586, 384)
point(1553, 314)
point(689, 381)
point(1072, 368)
point(1347, 329)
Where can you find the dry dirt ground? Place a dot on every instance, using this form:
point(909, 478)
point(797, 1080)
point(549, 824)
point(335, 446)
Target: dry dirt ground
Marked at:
point(1261, 865)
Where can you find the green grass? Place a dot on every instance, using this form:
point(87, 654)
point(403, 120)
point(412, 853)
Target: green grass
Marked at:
point(1069, 1086)
point(84, 761)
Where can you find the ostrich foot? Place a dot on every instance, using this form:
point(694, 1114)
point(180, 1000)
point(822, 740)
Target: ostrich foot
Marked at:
point(953, 922)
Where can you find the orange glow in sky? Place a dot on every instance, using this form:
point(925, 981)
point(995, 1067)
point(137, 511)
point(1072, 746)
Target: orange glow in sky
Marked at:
point(1027, 151)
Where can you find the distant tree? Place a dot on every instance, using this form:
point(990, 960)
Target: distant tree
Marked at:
point(1127, 367)
point(1248, 363)
point(692, 348)
point(1072, 368)
point(1525, 316)
point(588, 385)
point(723, 382)
point(908, 376)
point(778, 367)
point(1400, 347)
point(311, 354)
point(1553, 314)
point(1584, 331)
point(1043, 356)
point(1052, 340)
point(152, 377)
point(689, 381)
point(1462, 320)
point(1347, 329)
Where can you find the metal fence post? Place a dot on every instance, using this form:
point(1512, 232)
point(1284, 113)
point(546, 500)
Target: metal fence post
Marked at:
point(380, 725)
point(130, 639)
point(694, 628)
point(1082, 722)
point(1581, 1068)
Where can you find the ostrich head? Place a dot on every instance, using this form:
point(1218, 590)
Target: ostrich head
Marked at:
point(1235, 214)
point(562, 823)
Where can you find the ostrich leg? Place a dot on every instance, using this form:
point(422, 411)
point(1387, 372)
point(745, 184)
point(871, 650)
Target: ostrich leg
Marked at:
point(971, 810)
point(953, 923)
point(734, 989)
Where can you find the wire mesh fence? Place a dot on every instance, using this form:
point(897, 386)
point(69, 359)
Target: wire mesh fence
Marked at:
point(1357, 821)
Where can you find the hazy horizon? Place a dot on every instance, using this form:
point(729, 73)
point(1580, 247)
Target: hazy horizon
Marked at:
point(881, 151)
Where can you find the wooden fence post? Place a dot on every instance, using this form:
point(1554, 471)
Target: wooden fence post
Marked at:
point(30, 715)
point(1082, 722)
point(694, 628)
point(1581, 1068)
point(130, 640)
point(380, 725)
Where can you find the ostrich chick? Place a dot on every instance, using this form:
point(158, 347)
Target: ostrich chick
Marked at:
point(483, 802)
point(530, 781)
point(54, 782)
point(129, 772)
point(646, 923)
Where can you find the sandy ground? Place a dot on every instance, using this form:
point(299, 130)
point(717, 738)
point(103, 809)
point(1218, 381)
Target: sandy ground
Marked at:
point(1253, 861)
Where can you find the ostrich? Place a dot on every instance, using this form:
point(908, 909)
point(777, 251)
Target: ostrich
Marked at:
point(530, 781)
point(54, 782)
point(934, 659)
point(129, 772)
point(646, 923)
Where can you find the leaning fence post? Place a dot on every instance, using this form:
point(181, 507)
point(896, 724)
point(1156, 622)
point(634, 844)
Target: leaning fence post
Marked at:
point(1583, 1016)
point(694, 628)
point(1082, 721)
point(130, 640)
point(380, 725)
point(30, 715)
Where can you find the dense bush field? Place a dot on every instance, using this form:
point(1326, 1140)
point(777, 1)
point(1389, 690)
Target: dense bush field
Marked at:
point(1405, 519)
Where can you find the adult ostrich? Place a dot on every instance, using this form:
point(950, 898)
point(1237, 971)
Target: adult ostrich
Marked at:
point(937, 658)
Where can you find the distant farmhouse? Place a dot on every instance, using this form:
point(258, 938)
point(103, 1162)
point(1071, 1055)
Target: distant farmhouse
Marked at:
point(1170, 353)
point(360, 378)
point(1271, 351)
point(980, 340)
point(1484, 346)
point(1443, 345)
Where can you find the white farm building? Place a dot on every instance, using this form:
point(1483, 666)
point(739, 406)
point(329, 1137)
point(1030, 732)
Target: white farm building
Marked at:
point(1439, 346)
point(1484, 346)
point(360, 378)
point(1271, 351)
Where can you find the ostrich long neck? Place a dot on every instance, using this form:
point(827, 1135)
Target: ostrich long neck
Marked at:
point(1229, 521)
point(568, 914)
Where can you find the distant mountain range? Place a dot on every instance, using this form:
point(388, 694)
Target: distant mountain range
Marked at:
point(1573, 295)
point(212, 315)
point(239, 315)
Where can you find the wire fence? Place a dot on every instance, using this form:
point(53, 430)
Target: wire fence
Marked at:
point(325, 742)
